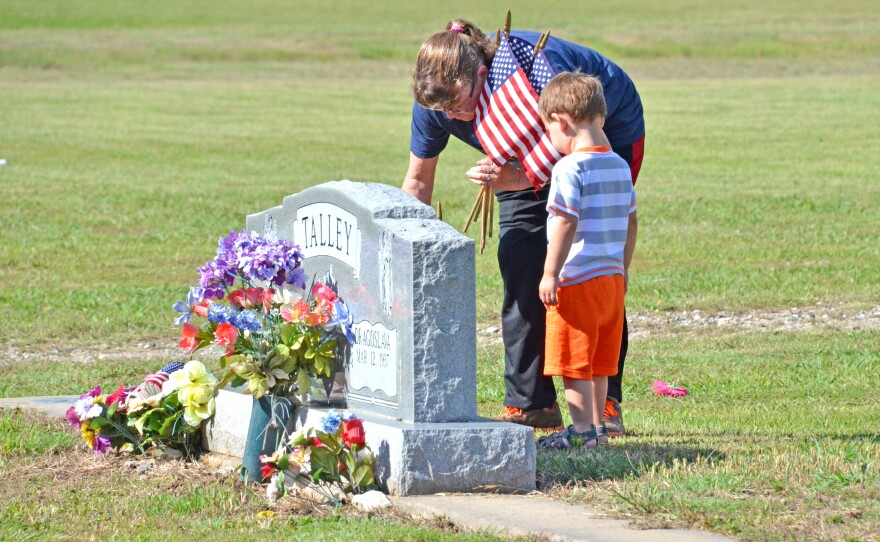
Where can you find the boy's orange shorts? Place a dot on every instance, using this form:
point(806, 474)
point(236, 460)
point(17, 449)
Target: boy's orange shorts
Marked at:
point(584, 330)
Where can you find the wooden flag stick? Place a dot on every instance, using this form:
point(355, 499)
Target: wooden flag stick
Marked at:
point(439, 210)
point(542, 42)
point(485, 217)
point(473, 211)
point(507, 25)
point(491, 209)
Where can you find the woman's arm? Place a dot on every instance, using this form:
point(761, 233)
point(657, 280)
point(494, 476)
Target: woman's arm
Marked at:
point(419, 178)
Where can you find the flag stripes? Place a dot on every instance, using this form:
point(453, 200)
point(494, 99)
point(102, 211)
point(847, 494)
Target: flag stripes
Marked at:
point(508, 124)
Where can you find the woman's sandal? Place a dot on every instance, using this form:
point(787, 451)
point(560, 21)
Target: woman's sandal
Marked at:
point(569, 438)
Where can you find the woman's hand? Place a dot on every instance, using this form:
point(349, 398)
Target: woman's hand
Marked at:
point(485, 173)
point(506, 177)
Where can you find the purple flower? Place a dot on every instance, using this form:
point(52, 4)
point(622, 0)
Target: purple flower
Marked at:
point(96, 391)
point(215, 277)
point(297, 277)
point(193, 298)
point(73, 417)
point(102, 445)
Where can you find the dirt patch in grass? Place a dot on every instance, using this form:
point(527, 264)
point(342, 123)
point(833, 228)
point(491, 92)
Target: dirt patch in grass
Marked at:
point(61, 492)
point(642, 326)
point(818, 317)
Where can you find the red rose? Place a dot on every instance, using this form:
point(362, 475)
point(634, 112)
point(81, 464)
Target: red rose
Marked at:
point(353, 433)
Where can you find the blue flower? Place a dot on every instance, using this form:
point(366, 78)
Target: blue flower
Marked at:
point(220, 314)
point(341, 321)
point(330, 422)
point(246, 320)
point(348, 415)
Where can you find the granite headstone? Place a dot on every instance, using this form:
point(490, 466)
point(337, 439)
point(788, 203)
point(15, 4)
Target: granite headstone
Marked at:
point(409, 282)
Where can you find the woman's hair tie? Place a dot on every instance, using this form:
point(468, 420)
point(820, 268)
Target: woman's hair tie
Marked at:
point(457, 28)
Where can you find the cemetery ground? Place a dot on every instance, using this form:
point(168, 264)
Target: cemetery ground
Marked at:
point(135, 138)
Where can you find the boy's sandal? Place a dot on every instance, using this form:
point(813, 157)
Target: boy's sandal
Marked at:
point(568, 438)
point(602, 434)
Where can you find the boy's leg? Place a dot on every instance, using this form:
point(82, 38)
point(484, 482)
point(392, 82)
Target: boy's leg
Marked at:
point(579, 396)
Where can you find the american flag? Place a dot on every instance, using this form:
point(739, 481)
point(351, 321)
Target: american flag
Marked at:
point(507, 121)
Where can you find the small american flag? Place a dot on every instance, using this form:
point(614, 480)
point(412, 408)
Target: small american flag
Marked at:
point(507, 121)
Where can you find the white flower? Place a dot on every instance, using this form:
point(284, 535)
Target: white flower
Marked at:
point(287, 294)
point(82, 406)
point(94, 411)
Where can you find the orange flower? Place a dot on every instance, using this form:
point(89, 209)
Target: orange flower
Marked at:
point(202, 308)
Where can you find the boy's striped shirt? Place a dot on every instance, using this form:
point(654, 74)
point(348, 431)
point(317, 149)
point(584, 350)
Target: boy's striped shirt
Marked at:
point(595, 187)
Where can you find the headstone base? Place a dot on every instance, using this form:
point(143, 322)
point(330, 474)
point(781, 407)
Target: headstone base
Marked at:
point(411, 458)
point(425, 458)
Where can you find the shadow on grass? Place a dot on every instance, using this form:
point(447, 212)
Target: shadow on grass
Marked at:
point(617, 461)
point(873, 438)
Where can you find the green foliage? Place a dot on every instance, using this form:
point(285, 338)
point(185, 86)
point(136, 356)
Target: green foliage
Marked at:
point(328, 462)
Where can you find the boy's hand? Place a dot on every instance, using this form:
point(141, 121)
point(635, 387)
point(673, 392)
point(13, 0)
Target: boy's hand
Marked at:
point(547, 289)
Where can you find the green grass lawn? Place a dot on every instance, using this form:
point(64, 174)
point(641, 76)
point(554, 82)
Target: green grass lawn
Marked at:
point(137, 134)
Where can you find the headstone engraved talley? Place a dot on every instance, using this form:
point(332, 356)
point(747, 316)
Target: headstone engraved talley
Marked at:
point(409, 282)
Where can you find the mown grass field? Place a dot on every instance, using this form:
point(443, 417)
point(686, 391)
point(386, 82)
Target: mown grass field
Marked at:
point(137, 134)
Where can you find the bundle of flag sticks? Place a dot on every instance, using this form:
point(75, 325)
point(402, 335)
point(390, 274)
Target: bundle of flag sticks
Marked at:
point(484, 206)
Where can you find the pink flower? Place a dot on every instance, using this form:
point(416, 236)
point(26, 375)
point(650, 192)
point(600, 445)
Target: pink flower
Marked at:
point(226, 335)
point(252, 298)
point(662, 388)
point(323, 294)
point(189, 338)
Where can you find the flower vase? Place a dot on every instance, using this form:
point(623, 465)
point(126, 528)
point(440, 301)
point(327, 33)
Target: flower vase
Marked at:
point(331, 391)
point(271, 419)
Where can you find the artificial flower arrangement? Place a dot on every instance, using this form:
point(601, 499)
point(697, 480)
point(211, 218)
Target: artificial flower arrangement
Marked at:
point(333, 460)
point(275, 333)
point(166, 409)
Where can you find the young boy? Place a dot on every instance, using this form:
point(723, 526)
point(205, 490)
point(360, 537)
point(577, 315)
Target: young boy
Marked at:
point(591, 228)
